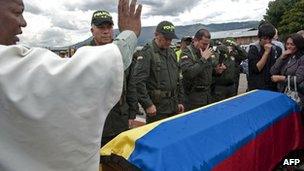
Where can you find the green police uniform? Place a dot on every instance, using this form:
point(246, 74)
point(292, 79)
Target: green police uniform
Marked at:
point(158, 81)
point(223, 84)
point(197, 78)
point(117, 120)
point(239, 55)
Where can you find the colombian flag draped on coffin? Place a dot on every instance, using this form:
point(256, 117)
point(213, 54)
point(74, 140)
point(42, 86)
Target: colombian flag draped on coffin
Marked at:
point(249, 132)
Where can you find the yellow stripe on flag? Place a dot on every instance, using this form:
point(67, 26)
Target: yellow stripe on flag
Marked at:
point(124, 144)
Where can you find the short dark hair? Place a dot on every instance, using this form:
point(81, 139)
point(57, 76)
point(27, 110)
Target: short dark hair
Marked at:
point(298, 40)
point(266, 30)
point(202, 33)
point(187, 40)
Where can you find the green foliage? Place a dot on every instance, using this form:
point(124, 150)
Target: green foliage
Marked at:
point(276, 10)
point(293, 20)
point(286, 15)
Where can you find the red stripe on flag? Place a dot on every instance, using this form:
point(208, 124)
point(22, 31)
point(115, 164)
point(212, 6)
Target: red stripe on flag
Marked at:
point(268, 148)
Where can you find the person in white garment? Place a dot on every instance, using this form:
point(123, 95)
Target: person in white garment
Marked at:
point(52, 109)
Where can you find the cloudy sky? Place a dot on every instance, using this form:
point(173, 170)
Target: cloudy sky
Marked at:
point(65, 22)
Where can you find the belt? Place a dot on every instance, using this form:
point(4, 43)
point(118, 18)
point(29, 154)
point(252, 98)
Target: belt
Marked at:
point(162, 94)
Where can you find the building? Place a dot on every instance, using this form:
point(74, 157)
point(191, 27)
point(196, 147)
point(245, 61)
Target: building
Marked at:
point(242, 36)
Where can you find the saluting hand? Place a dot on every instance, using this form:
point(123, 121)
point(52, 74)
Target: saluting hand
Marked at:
point(129, 17)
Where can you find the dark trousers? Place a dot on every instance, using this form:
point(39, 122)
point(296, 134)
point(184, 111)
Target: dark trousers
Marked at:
point(221, 92)
point(105, 140)
point(236, 83)
point(157, 117)
point(196, 99)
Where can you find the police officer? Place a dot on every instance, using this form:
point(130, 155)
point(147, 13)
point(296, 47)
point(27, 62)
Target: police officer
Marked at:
point(185, 41)
point(224, 75)
point(237, 54)
point(156, 73)
point(122, 115)
point(101, 28)
point(62, 54)
point(197, 69)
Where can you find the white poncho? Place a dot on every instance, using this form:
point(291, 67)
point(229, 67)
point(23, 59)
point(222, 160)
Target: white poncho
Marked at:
point(52, 110)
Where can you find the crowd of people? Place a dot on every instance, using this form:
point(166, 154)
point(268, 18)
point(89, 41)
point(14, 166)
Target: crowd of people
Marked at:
point(53, 110)
point(166, 82)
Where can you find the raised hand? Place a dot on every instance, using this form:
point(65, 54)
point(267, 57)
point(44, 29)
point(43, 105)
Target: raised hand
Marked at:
point(267, 47)
point(207, 52)
point(129, 17)
point(286, 53)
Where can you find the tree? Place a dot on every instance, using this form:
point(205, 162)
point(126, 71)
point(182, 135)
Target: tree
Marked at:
point(292, 20)
point(276, 10)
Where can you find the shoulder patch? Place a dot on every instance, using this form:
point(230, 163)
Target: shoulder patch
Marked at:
point(184, 57)
point(140, 58)
point(146, 47)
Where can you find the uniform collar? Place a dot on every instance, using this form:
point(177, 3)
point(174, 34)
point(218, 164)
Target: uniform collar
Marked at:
point(195, 50)
point(92, 42)
point(157, 49)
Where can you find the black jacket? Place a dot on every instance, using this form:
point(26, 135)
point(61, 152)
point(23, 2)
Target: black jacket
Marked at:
point(261, 79)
